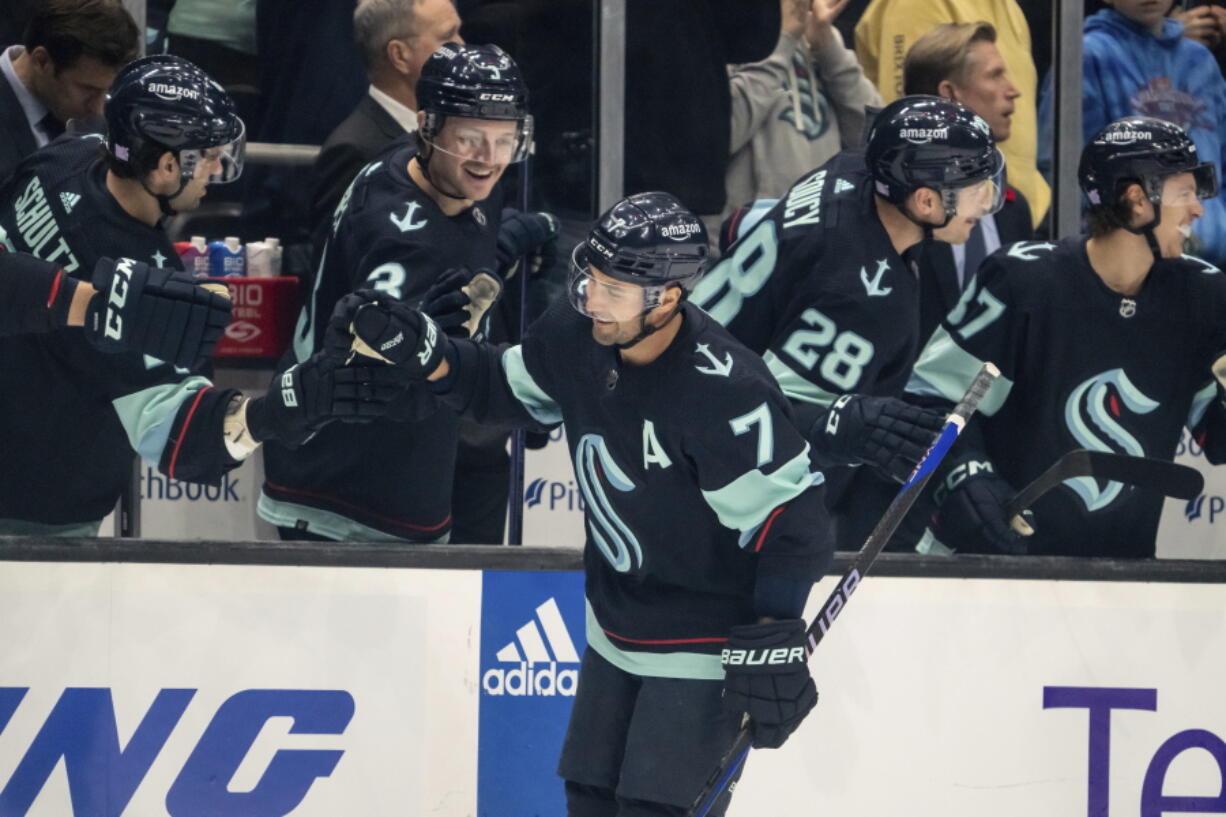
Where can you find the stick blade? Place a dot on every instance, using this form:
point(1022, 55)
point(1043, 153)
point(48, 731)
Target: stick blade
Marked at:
point(1167, 478)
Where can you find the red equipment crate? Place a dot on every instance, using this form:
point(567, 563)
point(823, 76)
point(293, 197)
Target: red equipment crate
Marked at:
point(265, 312)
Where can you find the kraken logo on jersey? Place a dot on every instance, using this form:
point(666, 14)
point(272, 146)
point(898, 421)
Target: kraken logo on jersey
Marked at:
point(873, 285)
point(1093, 412)
point(611, 535)
point(406, 222)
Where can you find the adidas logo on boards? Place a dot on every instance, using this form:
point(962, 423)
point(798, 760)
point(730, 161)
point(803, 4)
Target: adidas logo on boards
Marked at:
point(69, 200)
point(535, 654)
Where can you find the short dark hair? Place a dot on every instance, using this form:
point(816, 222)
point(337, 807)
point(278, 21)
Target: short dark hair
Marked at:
point(143, 160)
point(1102, 219)
point(942, 54)
point(72, 29)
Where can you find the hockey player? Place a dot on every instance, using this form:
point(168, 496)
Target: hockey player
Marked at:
point(824, 287)
point(705, 519)
point(36, 296)
point(1105, 341)
point(72, 415)
point(414, 226)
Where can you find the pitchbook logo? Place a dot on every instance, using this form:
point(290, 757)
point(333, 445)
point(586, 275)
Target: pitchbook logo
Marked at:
point(530, 660)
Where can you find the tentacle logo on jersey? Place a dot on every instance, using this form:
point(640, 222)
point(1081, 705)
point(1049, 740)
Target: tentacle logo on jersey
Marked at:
point(1092, 413)
point(614, 538)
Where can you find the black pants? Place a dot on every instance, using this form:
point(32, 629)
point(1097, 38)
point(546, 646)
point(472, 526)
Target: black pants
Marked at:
point(642, 747)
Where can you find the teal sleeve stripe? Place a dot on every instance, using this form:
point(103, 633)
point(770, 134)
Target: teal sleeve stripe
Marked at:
point(329, 524)
point(744, 503)
point(945, 369)
point(149, 414)
point(692, 665)
point(1200, 403)
point(795, 386)
point(539, 404)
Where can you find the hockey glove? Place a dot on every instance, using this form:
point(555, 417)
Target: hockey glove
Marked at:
point(307, 396)
point(883, 432)
point(766, 676)
point(534, 235)
point(970, 513)
point(459, 300)
point(396, 333)
point(160, 312)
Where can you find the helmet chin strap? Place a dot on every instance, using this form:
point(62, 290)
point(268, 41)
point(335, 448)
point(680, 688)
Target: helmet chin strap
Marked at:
point(1147, 230)
point(926, 226)
point(646, 329)
point(163, 200)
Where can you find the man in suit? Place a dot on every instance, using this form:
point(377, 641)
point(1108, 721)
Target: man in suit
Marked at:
point(395, 37)
point(960, 61)
point(71, 51)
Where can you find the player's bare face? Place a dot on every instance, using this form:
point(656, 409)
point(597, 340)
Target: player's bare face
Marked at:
point(616, 308)
point(471, 155)
point(195, 190)
point(1181, 207)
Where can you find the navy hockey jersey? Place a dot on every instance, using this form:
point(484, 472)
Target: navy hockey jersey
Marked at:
point(391, 479)
point(72, 415)
point(1082, 366)
point(818, 290)
point(693, 475)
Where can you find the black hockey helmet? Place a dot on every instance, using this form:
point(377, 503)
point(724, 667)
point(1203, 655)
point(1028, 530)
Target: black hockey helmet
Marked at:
point(166, 102)
point(1144, 151)
point(648, 240)
point(477, 82)
point(926, 141)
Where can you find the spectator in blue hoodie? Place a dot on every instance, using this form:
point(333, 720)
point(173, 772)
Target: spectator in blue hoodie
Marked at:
point(1137, 63)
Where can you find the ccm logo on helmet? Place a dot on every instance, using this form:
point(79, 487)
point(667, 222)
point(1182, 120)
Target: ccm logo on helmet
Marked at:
point(497, 97)
point(775, 656)
point(922, 136)
point(678, 232)
point(1127, 137)
point(172, 93)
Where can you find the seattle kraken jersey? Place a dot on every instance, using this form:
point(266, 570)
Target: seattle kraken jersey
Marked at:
point(390, 479)
point(72, 415)
point(693, 475)
point(1081, 367)
point(817, 289)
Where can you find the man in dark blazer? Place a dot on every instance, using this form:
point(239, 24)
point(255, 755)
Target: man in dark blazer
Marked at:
point(960, 61)
point(395, 38)
point(70, 53)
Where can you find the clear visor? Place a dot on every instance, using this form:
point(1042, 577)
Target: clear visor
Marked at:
point(491, 142)
point(605, 299)
point(1186, 189)
point(980, 199)
point(218, 164)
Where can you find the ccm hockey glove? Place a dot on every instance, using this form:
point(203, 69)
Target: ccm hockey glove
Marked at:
point(307, 396)
point(526, 234)
point(766, 676)
point(970, 513)
point(160, 312)
point(883, 432)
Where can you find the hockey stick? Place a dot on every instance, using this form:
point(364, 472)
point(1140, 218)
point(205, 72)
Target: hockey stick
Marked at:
point(515, 494)
point(732, 761)
point(1167, 478)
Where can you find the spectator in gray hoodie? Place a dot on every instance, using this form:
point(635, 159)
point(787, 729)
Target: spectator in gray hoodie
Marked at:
point(797, 108)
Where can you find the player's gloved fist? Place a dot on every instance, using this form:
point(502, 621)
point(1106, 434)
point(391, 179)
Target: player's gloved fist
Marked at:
point(394, 332)
point(459, 300)
point(309, 395)
point(883, 432)
point(766, 675)
point(526, 234)
point(159, 312)
point(971, 515)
